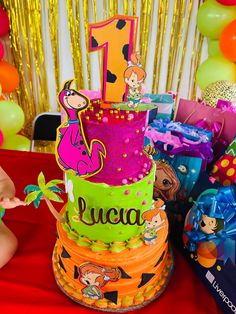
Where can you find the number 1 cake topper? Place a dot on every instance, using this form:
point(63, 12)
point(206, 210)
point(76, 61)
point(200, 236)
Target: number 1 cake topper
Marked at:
point(117, 39)
point(73, 152)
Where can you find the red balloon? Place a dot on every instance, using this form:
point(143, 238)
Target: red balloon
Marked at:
point(4, 22)
point(227, 2)
point(228, 41)
point(1, 50)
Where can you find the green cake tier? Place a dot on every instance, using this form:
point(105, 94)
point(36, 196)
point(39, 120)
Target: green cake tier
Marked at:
point(108, 213)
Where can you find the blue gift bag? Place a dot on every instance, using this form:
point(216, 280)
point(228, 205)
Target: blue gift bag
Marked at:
point(210, 243)
point(165, 105)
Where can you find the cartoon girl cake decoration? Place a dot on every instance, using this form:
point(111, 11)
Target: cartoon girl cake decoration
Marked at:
point(134, 76)
point(154, 222)
point(73, 151)
point(94, 277)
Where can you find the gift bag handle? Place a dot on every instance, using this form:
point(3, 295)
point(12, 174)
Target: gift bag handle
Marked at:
point(189, 116)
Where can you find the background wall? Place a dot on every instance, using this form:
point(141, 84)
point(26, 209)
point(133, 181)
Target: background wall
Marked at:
point(49, 46)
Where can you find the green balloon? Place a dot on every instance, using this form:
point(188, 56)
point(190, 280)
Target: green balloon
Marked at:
point(213, 17)
point(214, 48)
point(16, 142)
point(215, 69)
point(12, 117)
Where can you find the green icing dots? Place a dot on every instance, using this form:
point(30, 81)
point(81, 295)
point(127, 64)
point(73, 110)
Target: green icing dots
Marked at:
point(98, 246)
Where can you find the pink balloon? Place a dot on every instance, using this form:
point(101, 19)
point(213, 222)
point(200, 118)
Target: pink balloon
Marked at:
point(1, 50)
point(227, 2)
point(4, 22)
point(1, 138)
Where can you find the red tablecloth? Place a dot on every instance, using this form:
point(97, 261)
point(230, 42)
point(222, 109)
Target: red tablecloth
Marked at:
point(27, 284)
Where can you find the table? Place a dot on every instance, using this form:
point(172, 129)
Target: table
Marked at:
point(27, 284)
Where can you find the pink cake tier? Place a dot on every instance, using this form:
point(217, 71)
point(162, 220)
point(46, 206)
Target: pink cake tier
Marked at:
point(122, 133)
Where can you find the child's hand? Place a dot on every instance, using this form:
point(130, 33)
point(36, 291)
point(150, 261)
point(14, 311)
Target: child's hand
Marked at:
point(11, 203)
point(7, 188)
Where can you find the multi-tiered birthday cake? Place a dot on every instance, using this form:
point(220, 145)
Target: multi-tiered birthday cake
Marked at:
point(112, 251)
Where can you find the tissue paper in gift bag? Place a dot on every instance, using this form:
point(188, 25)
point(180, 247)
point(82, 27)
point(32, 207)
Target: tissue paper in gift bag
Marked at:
point(221, 122)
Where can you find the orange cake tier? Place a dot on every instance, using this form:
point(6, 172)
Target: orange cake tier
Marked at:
point(109, 280)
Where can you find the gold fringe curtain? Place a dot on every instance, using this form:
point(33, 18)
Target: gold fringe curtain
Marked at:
point(162, 14)
point(73, 14)
point(53, 21)
point(28, 54)
point(27, 43)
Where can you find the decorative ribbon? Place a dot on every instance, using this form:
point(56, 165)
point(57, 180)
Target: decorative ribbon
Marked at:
point(220, 205)
point(226, 105)
point(174, 138)
point(193, 132)
point(167, 138)
point(179, 145)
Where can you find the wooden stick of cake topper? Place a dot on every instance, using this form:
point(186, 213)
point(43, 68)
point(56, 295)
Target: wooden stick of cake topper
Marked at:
point(73, 152)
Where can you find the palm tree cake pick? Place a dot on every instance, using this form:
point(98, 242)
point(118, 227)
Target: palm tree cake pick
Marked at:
point(45, 191)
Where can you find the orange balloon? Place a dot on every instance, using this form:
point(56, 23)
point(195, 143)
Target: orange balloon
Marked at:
point(228, 41)
point(9, 77)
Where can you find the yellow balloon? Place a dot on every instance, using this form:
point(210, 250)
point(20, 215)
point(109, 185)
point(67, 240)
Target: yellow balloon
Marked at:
point(12, 117)
point(16, 142)
point(213, 17)
point(214, 48)
point(215, 69)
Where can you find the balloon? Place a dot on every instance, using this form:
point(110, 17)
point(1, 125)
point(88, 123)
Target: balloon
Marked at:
point(207, 254)
point(11, 117)
point(1, 96)
point(212, 18)
point(227, 2)
point(4, 22)
point(16, 142)
point(215, 69)
point(1, 50)
point(228, 41)
point(214, 48)
point(1, 138)
point(219, 90)
point(9, 77)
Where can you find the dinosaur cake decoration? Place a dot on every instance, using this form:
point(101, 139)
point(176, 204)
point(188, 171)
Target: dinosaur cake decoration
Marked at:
point(73, 152)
